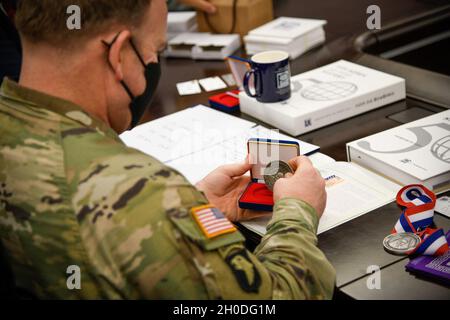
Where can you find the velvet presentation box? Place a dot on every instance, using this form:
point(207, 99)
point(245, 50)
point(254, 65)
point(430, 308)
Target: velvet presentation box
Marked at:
point(226, 102)
point(257, 196)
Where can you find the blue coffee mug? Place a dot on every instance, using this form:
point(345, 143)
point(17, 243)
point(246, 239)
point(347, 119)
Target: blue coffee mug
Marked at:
point(271, 76)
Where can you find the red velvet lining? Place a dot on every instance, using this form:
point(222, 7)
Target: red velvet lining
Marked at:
point(226, 100)
point(257, 193)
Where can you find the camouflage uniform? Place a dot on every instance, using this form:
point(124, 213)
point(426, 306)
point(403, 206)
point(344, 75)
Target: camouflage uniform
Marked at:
point(71, 193)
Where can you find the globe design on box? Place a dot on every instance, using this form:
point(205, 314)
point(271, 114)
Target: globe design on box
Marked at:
point(327, 91)
point(441, 149)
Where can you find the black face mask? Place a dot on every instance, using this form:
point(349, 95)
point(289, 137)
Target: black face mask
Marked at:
point(139, 104)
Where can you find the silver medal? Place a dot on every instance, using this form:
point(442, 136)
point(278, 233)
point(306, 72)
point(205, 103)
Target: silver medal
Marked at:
point(275, 171)
point(401, 243)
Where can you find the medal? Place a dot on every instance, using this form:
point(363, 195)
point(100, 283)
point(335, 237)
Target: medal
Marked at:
point(274, 171)
point(401, 243)
point(414, 232)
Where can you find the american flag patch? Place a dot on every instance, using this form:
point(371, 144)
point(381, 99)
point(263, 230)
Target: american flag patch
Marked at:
point(212, 222)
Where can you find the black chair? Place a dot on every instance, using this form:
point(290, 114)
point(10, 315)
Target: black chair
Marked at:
point(8, 288)
point(10, 48)
point(7, 285)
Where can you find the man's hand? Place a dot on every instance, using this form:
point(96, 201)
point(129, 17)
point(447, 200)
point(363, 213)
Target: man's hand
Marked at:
point(305, 184)
point(202, 5)
point(223, 188)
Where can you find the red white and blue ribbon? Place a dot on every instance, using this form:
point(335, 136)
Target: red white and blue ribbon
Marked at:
point(417, 217)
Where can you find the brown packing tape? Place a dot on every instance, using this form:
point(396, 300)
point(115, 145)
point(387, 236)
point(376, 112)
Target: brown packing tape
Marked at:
point(250, 14)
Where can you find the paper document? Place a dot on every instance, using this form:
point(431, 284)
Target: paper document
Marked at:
point(197, 140)
point(188, 88)
point(365, 190)
point(212, 84)
point(197, 165)
point(184, 132)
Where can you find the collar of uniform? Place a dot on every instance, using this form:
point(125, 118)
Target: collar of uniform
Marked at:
point(12, 90)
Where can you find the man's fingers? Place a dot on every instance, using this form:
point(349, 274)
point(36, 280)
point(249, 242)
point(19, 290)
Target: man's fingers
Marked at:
point(300, 162)
point(293, 163)
point(235, 170)
point(202, 5)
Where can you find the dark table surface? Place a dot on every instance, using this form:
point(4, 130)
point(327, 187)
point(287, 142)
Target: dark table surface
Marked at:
point(356, 245)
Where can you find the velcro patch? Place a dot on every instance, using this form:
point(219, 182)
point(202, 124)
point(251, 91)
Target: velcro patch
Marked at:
point(212, 221)
point(244, 270)
point(186, 223)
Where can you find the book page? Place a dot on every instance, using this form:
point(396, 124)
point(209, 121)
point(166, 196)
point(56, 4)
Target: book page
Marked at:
point(197, 165)
point(184, 132)
point(197, 140)
point(350, 184)
point(319, 159)
point(346, 184)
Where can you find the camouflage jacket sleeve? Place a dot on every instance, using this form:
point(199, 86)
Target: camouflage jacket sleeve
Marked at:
point(298, 268)
point(142, 242)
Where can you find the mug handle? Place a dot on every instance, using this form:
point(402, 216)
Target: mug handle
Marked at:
point(247, 77)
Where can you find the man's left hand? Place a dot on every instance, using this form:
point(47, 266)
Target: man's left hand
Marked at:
point(223, 188)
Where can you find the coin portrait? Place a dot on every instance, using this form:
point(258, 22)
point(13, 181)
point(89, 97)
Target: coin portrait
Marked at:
point(274, 171)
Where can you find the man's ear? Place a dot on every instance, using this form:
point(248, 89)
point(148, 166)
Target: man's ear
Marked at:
point(115, 53)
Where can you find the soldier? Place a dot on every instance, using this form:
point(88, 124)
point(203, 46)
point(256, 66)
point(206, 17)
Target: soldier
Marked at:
point(74, 197)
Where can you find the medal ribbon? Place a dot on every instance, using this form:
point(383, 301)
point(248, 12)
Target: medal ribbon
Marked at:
point(417, 217)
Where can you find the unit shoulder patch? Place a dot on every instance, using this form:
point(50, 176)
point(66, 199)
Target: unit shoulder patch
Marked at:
point(244, 270)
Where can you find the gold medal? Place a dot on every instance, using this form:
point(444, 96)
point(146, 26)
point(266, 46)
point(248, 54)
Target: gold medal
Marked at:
point(275, 171)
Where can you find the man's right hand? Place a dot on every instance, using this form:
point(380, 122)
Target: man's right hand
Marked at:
point(305, 184)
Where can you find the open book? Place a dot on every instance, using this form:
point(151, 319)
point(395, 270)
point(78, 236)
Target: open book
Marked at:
point(346, 183)
point(197, 140)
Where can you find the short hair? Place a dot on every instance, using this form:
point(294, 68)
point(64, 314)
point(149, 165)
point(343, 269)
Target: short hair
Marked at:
point(46, 20)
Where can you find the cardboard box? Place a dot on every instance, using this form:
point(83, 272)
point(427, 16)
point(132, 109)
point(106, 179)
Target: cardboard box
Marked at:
point(203, 46)
point(250, 14)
